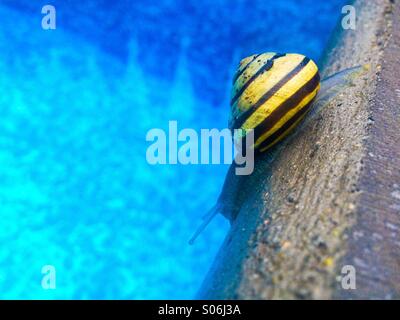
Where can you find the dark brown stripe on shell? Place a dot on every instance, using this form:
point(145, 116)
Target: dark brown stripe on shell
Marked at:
point(239, 73)
point(285, 127)
point(267, 66)
point(246, 114)
point(289, 104)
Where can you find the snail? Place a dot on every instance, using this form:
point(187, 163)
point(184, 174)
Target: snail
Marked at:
point(272, 93)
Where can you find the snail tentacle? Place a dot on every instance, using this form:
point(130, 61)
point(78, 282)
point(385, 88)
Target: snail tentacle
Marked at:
point(332, 85)
point(206, 220)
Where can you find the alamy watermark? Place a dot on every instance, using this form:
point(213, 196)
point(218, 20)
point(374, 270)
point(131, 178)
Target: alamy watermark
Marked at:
point(49, 20)
point(187, 146)
point(349, 20)
point(49, 277)
point(347, 278)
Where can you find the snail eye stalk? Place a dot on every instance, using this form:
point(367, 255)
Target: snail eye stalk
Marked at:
point(206, 220)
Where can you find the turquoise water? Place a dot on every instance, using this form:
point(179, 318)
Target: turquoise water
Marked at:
point(76, 103)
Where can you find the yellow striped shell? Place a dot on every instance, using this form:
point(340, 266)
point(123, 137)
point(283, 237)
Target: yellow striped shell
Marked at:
point(271, 94)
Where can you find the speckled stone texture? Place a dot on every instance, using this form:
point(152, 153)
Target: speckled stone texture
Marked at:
point(331, 196)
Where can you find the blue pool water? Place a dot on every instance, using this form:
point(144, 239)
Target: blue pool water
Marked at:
point(76, 191)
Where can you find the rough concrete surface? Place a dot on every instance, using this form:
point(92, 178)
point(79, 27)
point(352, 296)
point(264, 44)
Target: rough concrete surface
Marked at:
point(331, 196)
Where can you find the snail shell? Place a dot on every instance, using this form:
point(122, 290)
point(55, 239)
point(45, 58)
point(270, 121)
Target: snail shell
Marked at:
point(271, 94)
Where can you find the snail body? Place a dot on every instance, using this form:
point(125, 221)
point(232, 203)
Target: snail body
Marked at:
point(271, 95)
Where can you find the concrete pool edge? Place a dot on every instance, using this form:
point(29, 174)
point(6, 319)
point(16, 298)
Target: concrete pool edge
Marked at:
point(304, 219)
